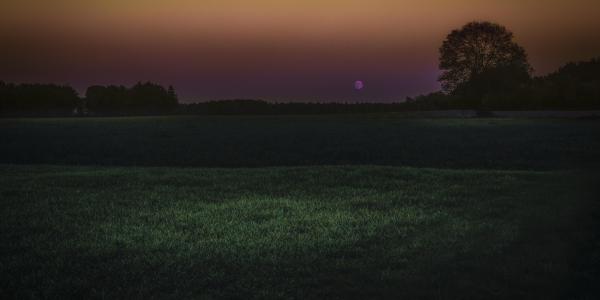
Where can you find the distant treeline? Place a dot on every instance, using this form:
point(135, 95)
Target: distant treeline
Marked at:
point(56, 100)
point(33, 99)
point(575, 86)
point(260, 107)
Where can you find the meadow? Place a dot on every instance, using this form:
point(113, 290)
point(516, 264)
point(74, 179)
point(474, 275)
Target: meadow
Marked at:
point(264, 141)
point(336, 207)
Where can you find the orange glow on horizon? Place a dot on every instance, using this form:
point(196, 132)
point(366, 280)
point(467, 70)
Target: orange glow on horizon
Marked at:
point(183, 37)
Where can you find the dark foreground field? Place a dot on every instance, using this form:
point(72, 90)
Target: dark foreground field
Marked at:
point(258, 141)
point(485, 209)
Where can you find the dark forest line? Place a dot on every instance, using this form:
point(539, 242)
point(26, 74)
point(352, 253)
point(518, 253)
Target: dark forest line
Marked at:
point(575, 86)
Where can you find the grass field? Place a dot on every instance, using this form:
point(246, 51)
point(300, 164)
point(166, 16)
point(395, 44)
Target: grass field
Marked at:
point(258, 141)
point(334, 207)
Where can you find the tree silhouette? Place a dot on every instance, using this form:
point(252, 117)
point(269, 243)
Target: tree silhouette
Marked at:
point(142, 98)
point(479, 54)
point(37, 99)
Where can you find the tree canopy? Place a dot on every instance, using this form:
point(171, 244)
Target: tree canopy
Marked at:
point(481, 57)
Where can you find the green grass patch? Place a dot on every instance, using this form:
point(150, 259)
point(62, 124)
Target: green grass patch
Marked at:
point(292, 232)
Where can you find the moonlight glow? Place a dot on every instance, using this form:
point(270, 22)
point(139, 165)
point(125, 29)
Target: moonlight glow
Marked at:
point(359, 85)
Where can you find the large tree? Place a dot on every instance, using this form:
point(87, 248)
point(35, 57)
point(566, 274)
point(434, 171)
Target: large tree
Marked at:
point(481, 50)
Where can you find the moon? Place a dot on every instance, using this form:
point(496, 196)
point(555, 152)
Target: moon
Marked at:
point(359, 85)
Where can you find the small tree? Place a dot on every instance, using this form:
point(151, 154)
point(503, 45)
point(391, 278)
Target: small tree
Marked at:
point(481, 57)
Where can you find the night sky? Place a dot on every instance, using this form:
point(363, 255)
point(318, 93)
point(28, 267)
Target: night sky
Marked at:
point(273, 49)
